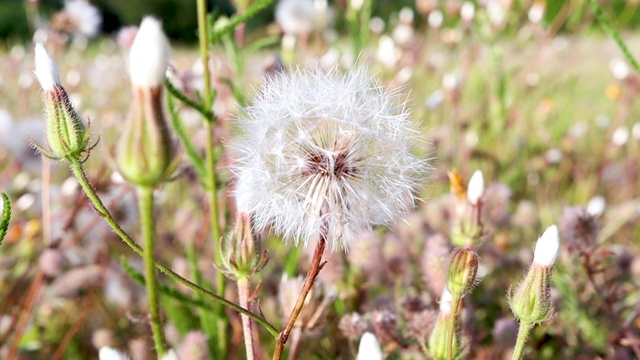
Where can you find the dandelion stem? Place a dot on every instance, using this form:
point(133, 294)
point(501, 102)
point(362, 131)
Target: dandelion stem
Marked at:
point(523, 333)
point(451, 328)
point(247, 325)
point(78, 171)
point(145, 204)
point(313, 272)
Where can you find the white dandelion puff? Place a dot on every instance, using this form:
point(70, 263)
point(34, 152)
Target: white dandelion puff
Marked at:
point(326, 155)
point(84, 16)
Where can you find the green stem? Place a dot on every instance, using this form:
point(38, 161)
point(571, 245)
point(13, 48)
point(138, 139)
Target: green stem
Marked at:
point(451, 329)
point(145, 204)
point(78, 171)
point(610, 29)
point(523, 333)
point(203, 37)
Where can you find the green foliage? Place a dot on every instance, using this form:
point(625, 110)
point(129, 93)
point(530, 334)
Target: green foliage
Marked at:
point(6, 216)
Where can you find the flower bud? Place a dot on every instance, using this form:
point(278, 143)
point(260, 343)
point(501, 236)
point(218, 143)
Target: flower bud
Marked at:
point(66, 135)
point(241, 250)
point(461, 275)
point(145, 151)
point(369, 348)
point(531, 302)
point(475, 190)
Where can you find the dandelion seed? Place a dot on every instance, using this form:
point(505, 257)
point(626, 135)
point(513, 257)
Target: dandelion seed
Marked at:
point(326, 156)
point(80, 17)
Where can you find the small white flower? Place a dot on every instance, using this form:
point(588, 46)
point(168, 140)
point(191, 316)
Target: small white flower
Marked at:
point(107, 353)
point(547, 247)
point(326, 155)
point(296, 17)
point(475, 189)
point(356, 4)
point(435, 19)
point(596, 206)
point(84, 16)
point(620, 136)
point(467, 11)
point(369, 348)
point(388, 53)
point(149, 54)
point(46, 71)
point(536, 13)
point(619, 68)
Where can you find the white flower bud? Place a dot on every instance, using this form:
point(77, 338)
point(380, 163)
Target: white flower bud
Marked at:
point(369, 348)
point(547, 247)
point(107, 353)
point(149, 55)
point(475, 189)
point(467, 11)
point(46, 71)
point(596, 206)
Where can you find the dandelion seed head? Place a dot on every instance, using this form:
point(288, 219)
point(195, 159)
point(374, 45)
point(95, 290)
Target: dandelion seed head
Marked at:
point(85, 17)
point(326, 155)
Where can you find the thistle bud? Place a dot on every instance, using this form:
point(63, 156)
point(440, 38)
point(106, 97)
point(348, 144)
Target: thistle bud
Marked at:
point(461, 275)
point(531, 302)
point(241, 251)
point(66, 135)
point(146, 152)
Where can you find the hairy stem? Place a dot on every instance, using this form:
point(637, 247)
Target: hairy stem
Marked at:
point(78, 171)
point(247, 326)
point(211, 181)
point(451, 328)
point(145, 205)
point(313, 272)
point(523, 333)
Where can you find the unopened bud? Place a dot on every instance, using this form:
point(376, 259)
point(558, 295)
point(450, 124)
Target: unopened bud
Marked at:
point(67, 136)
point(145, 154)
point(369, 348)
point(475, 190)
point(241, 252)
point(531, 302)
point(461, 275)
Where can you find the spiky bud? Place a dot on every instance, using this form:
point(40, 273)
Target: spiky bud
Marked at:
point(67, 136)
point(461, 275)
point(531, 303)
point(145, 151)
point(241, 252)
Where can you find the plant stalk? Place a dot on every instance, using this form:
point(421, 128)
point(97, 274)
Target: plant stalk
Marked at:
point(523, 333)
point(451, 329)
point(78, 171)
point(145, 204)
point(247, 326)
point(313, 272)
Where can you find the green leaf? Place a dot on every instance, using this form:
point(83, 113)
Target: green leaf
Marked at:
point(257, 7)
point(6, 216)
